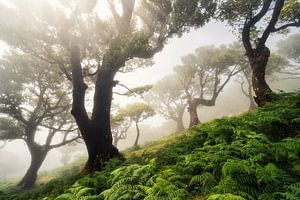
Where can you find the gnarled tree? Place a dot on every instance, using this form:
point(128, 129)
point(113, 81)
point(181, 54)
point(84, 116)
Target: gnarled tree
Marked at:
point(139, 30)
point(277, 65)
point(166, 98)
point(119, 127)
point(203, 76)
point(137, 112)
point(34, 102)
point(258, 19)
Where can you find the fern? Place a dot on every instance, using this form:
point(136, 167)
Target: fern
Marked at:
point(225, 197)
point(293, 192)
point(254, 156)
point(272, 179)
point(226, 185)
point(205, 181)
point(296, 168)
point(164, 189)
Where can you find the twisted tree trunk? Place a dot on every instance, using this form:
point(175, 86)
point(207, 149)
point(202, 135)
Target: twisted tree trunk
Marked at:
point(179, 121)
point(38, 155)
point(258, 65)
point(96, 131)
point(249, 93)
point(137, 135)
point(192, 109)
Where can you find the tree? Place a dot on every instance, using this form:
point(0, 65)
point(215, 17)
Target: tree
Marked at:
point(203, 76)
point(137, 112)
point(258, 19)
point(138, 31)
point(166, 98)
point(119, 127)
point(33, 102)
point(276, 64)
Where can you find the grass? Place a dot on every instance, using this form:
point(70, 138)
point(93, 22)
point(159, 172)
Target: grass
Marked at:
point(252, 156)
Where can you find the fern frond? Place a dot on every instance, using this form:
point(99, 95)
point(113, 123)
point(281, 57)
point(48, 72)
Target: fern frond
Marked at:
point(225, 197)
point(206, 181)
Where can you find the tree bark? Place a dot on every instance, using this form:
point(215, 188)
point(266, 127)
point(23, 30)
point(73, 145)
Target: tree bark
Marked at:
point(179, 121)
point(258, 65)
point(137, 135)
point(38, 155)
point(96, 131)
point(99, 147)
point(98, 137)
point(194, 120)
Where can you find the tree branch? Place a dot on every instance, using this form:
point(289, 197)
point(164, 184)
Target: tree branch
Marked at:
point(79, 88)
point(242, 87)
point(124, 86)
point(64, 142)
point(65, 72)
point(276, 12)
point(34, 114)
point(249, 24)
point(122, 22)
point(294, 24)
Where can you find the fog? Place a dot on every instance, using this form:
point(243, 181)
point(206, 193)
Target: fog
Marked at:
point(15, 158)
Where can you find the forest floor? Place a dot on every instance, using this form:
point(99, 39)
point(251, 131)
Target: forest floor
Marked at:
point(248, 157)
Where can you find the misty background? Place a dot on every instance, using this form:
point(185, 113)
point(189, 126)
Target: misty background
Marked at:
point(15, 157)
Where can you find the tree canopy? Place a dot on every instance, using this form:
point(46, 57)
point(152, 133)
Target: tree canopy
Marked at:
point(137, 112)
point(203, 76)
point(34, 102)
point(167, 99)
point(119, 127)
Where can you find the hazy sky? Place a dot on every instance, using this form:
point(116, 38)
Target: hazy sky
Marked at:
point(212, 33)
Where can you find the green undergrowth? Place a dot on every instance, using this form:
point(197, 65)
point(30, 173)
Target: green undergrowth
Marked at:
point(50, 183)
point(66, 170)
point(249, 157)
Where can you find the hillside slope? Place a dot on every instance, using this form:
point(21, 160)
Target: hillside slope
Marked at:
point(253, 156)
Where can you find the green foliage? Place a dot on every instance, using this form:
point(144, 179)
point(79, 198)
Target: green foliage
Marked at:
point(10, 129)
point(290, 11)
point(206, 181)
point(293, 192)
point(237, 11)
point(137, 111)
point(138, 90)
point(230, 158)
point(225, 197)
point(166, 98)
